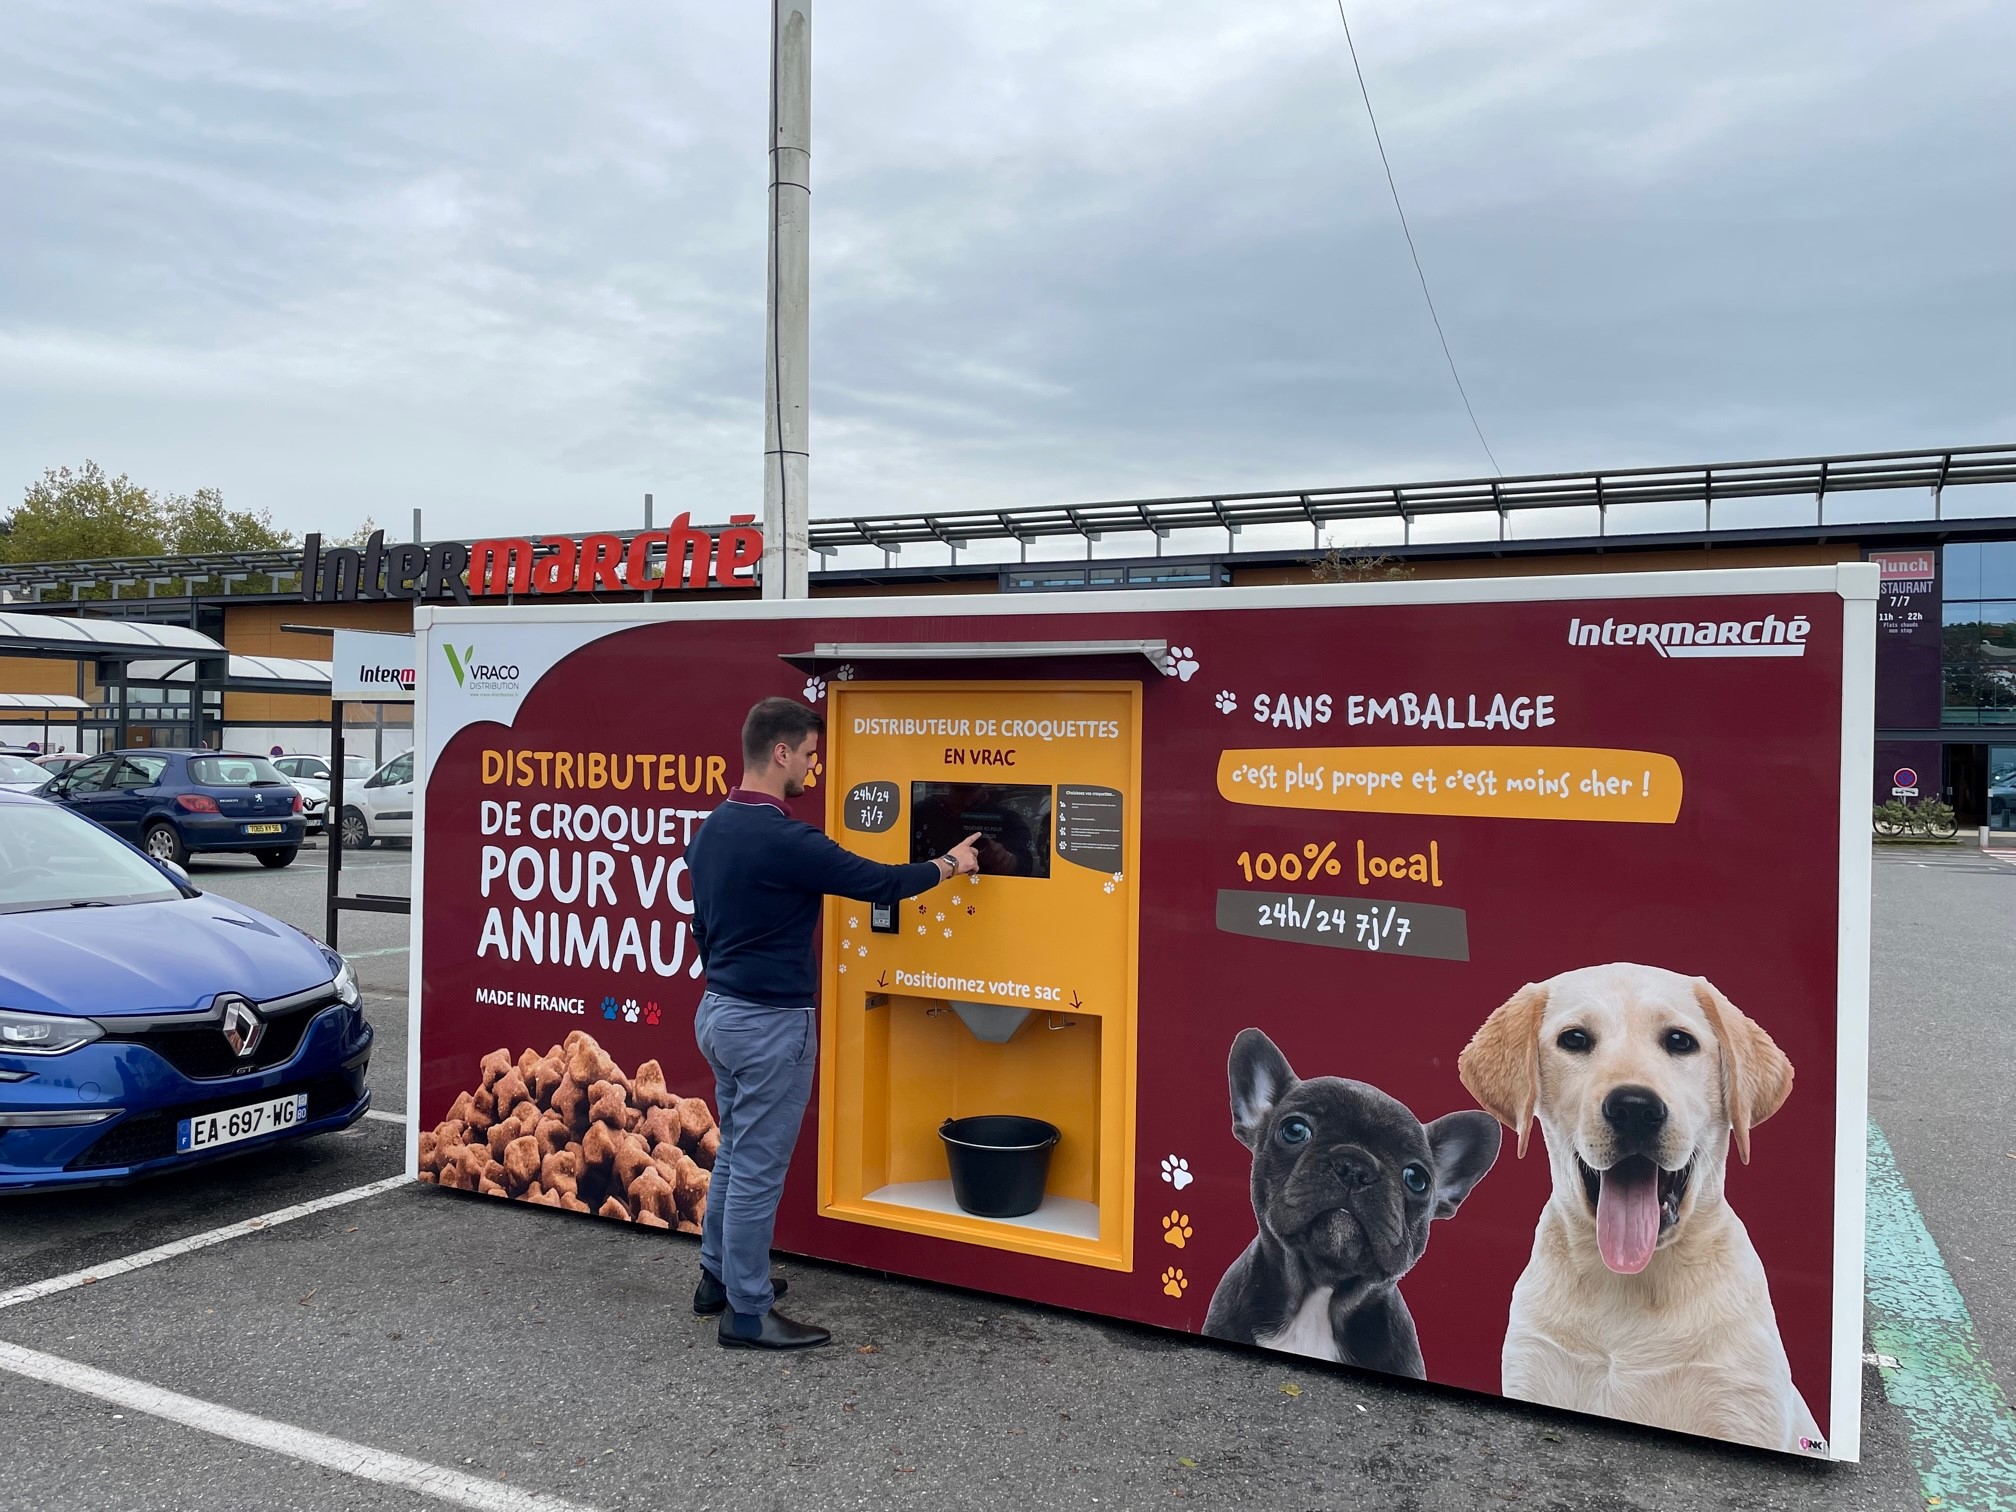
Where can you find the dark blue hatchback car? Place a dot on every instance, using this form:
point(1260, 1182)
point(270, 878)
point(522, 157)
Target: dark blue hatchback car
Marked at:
point(145, 1025)
point(175, 803)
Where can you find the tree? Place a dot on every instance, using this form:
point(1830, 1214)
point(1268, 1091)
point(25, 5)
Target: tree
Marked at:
point(85, 516)
point(1357, 564)
point(80, 516)
point(199, 522)
point(357, 537)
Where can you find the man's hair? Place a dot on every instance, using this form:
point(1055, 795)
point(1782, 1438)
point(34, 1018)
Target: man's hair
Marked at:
point(776, 719)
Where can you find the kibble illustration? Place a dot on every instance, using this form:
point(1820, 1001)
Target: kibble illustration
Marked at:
point(569, 1129)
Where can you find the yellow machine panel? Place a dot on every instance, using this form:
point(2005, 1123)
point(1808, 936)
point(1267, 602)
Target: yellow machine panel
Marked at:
point(1010, 992)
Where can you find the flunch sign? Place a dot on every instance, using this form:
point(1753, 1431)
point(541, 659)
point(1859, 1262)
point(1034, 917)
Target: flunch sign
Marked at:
point(682, 556)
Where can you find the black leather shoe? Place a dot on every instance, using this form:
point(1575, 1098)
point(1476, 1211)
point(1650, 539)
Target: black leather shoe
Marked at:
point(772, 1330)
point(711, 1297)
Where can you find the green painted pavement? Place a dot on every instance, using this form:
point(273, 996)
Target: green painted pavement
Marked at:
point(1962, 1431)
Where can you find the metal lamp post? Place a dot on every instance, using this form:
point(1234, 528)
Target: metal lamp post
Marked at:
point(786, 438)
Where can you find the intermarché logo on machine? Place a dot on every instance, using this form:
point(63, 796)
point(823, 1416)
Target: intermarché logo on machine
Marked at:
point(480, 677)
point(1769, 636)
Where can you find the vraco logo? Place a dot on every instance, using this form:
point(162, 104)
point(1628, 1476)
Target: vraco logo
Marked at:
point(475, 676)
point(1769, 636)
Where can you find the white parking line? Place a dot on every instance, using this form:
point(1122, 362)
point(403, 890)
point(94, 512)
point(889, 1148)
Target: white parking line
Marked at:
point(281, 1438)
point(398, 1118)
point(362, 955)
point(36, 1290)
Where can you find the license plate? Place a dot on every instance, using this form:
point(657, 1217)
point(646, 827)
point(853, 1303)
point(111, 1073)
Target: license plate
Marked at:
point(234, 1124)
point(264, 829)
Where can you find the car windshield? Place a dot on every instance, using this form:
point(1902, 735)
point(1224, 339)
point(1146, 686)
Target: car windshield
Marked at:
point(234, 771)
point(50, 858)
point(357, 766)
point(20, 769)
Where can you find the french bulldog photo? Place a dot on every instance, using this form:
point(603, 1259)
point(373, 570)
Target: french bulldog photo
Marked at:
point(1345, 1184)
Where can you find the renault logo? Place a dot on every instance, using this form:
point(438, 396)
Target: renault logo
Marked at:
point(243, 1028)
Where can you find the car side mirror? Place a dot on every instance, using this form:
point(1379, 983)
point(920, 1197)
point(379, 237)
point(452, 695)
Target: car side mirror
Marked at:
point(56, 787)
point(177, 872)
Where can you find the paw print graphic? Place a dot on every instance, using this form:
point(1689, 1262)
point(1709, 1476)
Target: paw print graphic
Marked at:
point(948, 934)
point(861, 951)
point(955, 900)
point(1176, 1229)
point(1109, 887)
point(815, 689)
point(971, 911)
point(941, 918)
point(846, 945)
point(1176, 1171)
point(854, 923)
point(1174, 1282)
point(1227, 702)
point(921, 929)
point(1179, 662)
point(650, 1013)
point(844, 673)
point(631, 1011)
point(609, 1008)
point(843, 968)
point(1118, 878)
point(812, 776)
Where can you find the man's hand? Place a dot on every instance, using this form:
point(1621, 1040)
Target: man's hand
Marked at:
point(965, 856)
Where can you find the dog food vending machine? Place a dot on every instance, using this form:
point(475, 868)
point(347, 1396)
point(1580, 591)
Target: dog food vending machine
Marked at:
point(1008, 993)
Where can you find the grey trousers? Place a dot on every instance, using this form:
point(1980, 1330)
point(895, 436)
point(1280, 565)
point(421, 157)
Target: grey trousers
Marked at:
point(763, 1060)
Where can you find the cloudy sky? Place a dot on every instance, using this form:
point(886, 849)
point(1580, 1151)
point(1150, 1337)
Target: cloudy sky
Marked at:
point(504, 261)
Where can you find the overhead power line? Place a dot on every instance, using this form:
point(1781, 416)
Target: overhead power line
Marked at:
point(1412, 251)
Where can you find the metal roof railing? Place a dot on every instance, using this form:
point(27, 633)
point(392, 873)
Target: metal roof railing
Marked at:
point(1315, 508)
point(1606, 491)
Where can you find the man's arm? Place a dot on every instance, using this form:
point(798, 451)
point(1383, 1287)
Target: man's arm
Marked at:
point(825, 866)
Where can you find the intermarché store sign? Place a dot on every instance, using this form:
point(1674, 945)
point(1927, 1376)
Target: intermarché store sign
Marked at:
point(682, 556)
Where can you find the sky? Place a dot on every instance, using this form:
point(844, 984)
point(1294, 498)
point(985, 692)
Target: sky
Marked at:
point(504, 262)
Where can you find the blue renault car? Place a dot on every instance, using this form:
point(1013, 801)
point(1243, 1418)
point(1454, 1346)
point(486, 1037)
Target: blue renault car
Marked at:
point(175, 803)
point(146, 1026)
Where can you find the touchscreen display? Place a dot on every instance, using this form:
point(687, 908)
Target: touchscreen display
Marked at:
point(1012, 820)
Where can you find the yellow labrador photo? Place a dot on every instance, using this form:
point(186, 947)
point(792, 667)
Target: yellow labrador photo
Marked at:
point(1644, 1298)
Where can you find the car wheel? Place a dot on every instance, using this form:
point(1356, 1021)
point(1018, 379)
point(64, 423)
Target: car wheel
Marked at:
point(163, 844)
point(356, 834)
point(273, 860)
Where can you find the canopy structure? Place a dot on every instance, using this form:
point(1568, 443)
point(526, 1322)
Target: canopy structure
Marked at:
point(33, 708)
point(243, 674)
point(98, 639)
point(118, 650)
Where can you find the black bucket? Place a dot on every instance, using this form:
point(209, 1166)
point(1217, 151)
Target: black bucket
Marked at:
point(999, 1163)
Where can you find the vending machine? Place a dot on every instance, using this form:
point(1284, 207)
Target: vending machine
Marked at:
point(1011, 992)
point(1299, 910)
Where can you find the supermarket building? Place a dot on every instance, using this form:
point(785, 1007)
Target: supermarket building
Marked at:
point(234, 648)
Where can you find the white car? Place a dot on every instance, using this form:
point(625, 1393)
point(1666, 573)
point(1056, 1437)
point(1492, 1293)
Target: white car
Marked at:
point(21, 774)
point(310, 775)
point(380, 807)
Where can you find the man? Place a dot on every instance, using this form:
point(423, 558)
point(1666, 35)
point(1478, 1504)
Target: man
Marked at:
point(758, 879)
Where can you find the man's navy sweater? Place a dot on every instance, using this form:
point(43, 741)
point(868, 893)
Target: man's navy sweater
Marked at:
point(758, 878)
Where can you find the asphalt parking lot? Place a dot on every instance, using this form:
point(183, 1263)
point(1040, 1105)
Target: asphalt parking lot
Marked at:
point(409, 1347)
